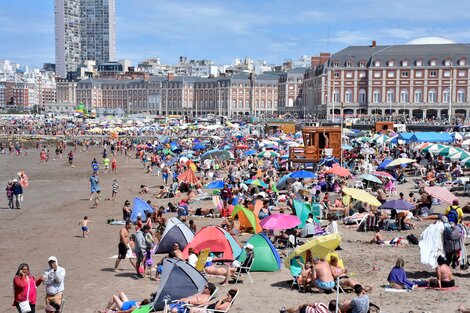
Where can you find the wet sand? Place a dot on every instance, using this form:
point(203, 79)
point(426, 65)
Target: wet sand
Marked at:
point(57, 199)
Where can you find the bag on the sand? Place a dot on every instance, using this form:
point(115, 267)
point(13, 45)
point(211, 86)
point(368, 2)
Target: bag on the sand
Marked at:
point(452, 240)
point(412, 239)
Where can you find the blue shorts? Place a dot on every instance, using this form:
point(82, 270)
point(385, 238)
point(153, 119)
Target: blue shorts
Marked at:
point(325, 285)
point(180, 306)
point(84, 228)
point(94, 189)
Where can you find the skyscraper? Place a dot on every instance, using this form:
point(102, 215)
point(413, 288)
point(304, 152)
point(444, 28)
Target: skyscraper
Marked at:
point(85, 30)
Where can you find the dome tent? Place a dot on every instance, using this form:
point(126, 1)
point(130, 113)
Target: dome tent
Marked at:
point(175, 231)
point(266, 257)
point(217, 240)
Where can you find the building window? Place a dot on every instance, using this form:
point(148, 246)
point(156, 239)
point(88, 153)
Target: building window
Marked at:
point(336, 74)
point(404, 63)
point(461, 96)
point(348, 96)
point(335, 64)
point(362, 96)
point(362, 74)
point(433, 62)
point(462, 62)
point(390, 96)
point(391, 63)
point(445, 96)
point(348, 64)
point(446, 73)
point(432, 74)
point(336, 96)
point(419, 62)
point(377, 63)
point(418, 96)
point(448, 62)
point(390, 74)
point(376, 74)
point(405, 74)
point(376, 96)
point(349, 75)
point(432, 96)
point(419, 74)
point(362, 64)
point(404, 96)
point(461, 73)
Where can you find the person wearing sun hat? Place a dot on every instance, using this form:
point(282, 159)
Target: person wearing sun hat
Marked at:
point(237, 266)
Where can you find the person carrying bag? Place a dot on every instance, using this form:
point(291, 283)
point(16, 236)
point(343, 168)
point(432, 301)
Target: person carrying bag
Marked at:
point(24, 286)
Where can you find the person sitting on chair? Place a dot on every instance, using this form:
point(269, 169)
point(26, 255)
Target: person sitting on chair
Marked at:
point(231, 270)
point(222, 305)
point(201, 298)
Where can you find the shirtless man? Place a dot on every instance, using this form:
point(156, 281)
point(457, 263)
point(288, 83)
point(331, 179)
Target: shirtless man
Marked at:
point(197, 299)
point(445, 278)
point(123, 245)
point(177, 250)
point(322, 277)
point(406, 216)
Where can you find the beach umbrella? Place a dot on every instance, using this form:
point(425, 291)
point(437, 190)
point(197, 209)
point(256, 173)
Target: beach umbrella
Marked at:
point(256, 182)
point(167, 152)
point(320, 247)
point(465, 143)
point(303, 174)
point(433, 147)
point(267, 154)
point(362, 196)
point(465, 162)
point(421, 146)
point(397, 205)
point(370, 177)
point(280, 221)
point(249, 152)
point(400, 161)
point(188, 177)
point(247, 218)
point(241, 147)
point(212, 154)
point(282, 183)
point(142, 146)
point(441, 193)
point(216, 185)
point(187, 152)
point(446, 151)
point(383, 174)
point(462, 155)
point(338, 171)
point(346, 147)
point(199, 146)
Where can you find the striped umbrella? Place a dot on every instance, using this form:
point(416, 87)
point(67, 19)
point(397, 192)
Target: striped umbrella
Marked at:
point(441, 193)
point(462, 155)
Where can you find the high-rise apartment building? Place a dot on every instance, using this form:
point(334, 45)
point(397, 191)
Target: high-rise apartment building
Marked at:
point(85, 30)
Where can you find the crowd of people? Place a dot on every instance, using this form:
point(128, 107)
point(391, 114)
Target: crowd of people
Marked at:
point(250, 169)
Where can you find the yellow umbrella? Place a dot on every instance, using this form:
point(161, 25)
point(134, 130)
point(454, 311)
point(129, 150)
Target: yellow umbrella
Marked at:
point(321, 247)
point(400, 161)
point(362, 196)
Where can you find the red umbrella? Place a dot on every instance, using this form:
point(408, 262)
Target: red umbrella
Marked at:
point(241, 147)
point(383, 174)
point(188, 177)
point(339, 171)
point(142, 146)
point(441, 193)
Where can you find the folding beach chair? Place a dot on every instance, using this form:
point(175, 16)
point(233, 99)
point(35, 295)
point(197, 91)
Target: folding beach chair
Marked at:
point(202, 259)
point(228, 308)
point(245, 270)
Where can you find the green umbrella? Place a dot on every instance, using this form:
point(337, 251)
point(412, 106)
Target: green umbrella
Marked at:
point(370, 177)
point(462, 155)
point(447, 151)
point(433, 147)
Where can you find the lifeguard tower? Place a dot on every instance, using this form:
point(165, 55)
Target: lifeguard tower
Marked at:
point(319, 142)
point(384, 127)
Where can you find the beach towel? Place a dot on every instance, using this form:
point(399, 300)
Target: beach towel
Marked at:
point(390, 289)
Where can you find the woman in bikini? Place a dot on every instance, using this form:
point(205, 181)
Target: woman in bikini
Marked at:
point(220, 306)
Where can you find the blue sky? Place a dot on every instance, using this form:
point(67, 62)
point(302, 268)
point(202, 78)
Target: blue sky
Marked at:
point(272, 30)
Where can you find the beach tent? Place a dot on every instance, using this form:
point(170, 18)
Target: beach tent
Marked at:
point(403, 136)
point(140, 208)
point(175, 231)
point(247, 218)
point(431, 137)
point(266, 257)
point(216, 239)
point(178, 280)
point(302, 209)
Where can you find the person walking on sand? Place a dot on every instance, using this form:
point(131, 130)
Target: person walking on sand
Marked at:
point(115, 188)
point(123, 245)
point(70, 156)
point(84, 224)
point(9, 190)
point(94, 185)
point(114, 166)
point(17, 192)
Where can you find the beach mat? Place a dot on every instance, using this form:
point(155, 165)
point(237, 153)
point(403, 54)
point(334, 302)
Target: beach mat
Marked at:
point(390, 289)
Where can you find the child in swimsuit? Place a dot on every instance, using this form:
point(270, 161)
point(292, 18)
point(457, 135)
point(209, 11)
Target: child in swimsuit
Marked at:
point(84, 224)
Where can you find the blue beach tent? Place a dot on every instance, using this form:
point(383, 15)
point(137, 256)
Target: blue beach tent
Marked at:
point(140, 207)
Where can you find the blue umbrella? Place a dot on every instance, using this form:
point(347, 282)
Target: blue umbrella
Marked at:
point(397, 205)
point(303, 174)
point(282, 183)
point(216, 185)
point(199, 146)
point(249, 152)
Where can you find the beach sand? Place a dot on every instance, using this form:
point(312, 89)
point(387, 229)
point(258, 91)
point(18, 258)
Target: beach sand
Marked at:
point(57, 199)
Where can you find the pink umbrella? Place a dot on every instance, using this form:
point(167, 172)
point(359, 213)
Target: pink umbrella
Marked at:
point(441, 193)
point(280, 222)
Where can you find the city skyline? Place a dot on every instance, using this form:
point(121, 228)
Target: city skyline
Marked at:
point(222, 31)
